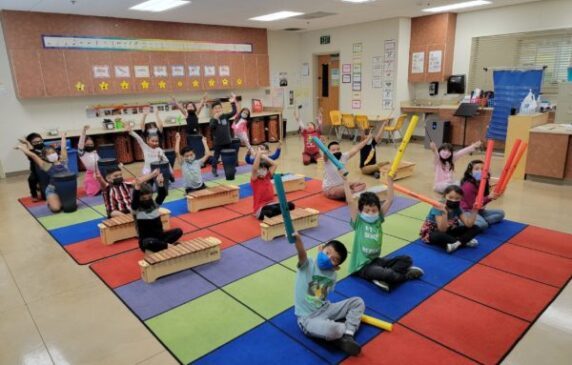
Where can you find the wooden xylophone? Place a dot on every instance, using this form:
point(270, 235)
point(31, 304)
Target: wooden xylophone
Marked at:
point(123, 227)
point(212, 197)
point(404, 169)
point(302, 218)
point(181, 257)
point(379, 190)
point(293, 182)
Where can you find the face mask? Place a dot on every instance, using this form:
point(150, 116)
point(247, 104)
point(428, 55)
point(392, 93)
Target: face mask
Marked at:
point(262, 172)
point(477, 175)
point(369, 218)
point(152, 131)
point(337, 155)
point(189, 159)
point(453, 205)
point(244, 115)
point(52, 157)
point(117, 181)
point(324, 262)
point(444, 154)
point(89, 148)
point(146, 204)
point(38, 146)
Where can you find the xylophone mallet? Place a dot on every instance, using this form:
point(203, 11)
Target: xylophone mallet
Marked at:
point(403, 145)
point(284, 208)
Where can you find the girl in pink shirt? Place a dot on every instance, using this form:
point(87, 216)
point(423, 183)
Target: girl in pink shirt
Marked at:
point(444, 162)
point(240, 127)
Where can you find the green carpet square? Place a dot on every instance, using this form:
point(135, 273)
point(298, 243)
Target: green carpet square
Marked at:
point(402, 227)
point(238, 180)
point(67, 219)
point(417, 211)
point(175, 194)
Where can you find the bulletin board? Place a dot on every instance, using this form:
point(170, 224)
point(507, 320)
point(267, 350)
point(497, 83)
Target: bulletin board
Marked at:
point(56, 55)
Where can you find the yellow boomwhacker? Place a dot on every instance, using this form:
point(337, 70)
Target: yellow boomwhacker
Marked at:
point(377, 323)
point(403, 145)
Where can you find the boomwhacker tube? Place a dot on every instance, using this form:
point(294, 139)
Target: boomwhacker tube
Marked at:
point(328, 154)
point(403, 145)
point(420, 197)
point(485, 175)
point(284, 208)
point(515, 162)
point(507, 165)
point(377, 323)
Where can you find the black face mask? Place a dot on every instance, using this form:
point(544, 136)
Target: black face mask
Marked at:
point(337, 155)
point(38, 146)
point(453, 205)
point(118, 181)
point(89, 148)
point(146, 204)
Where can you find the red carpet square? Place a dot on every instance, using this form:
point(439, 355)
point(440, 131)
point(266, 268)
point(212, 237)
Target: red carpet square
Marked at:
point(209, 217)
point(27, 202)
point(186, 227)
point(312, 187)
point(532, 264)
point(243, 206)
point(402, 346)
point(319, 202)
point(509, 293)
point(240, 230)
point(119, 270)
point(479, 332)
point(88, 251)
point(546, 240)
point(225, 242)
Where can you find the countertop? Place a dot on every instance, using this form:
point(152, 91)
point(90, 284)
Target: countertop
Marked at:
point(553, 128)
point(435, 107)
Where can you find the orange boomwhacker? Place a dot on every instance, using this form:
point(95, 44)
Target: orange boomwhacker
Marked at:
point(412, 194)
point(507, 165)
point(485, 174)
point(515, 163)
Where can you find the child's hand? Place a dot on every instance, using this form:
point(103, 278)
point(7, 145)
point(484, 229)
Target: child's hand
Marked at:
point(85, 127)
point(232, 98)
point(156, 172)
point(128, 127)
point(341, 173)
point(21, 147)
point(433, 145)
point(205, 98)
point(160, 180)
point(178, 137)
point(477, 144)
point(493, 196)
point(443, 208)
point(204, 139)
point(389, 181)
point(63, 134)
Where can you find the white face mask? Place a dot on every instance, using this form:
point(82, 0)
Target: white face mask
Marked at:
point(52, 157)
point(152, 131)
point(244, 115)
point(369, 218)
point(189, 159)
point(262, 172)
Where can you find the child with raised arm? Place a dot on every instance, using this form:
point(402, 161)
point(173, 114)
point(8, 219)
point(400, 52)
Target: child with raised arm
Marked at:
point(265, 149)
point(35, 143)
point(152, 128)
point(367, 158)
point(316, 316)
point(89, 157)
point(191, 166)
point(191, 114)
point(151, 150)
point(220, 130)
point(311, 152)
point(333, 184)
point(365, 261)
point(444, 161)
point(147, 216)
point(240, 126)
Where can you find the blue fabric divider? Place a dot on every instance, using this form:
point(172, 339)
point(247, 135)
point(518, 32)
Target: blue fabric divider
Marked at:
point(439, 266)
point(76, 232)
point(264, 344)
point(511, 87)
point(177, 207)
point(394, 304)
point(286, 321)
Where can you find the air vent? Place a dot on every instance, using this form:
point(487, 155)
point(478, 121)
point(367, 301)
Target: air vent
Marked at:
point(292, 29)
point(315, 15)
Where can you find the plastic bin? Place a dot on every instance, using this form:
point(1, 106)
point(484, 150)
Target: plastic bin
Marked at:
point(66, 188)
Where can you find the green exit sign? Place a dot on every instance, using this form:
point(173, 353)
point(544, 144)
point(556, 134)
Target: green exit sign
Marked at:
point(325, 39)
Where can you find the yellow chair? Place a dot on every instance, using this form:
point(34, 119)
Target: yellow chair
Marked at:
point(348, 121)
point(394, 130)
point(336, 122)
point(362, 122)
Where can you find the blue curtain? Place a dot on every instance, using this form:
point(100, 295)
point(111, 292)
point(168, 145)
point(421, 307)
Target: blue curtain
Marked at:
point(510, 87)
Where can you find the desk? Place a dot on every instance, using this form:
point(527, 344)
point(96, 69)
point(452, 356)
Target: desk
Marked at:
point(550, 151)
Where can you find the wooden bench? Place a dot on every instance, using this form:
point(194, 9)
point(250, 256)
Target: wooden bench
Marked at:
point(215, 196)
point(123, 227)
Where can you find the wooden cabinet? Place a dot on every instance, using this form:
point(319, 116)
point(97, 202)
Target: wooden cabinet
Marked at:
point(434, 37)
point(518, 128)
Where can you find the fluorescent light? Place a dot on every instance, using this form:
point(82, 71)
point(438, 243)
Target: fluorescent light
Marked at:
point(276, 16)
point(159, 5)
point(457, 6)
point(358, 1)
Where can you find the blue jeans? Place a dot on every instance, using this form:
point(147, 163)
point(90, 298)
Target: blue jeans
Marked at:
point(487, 217)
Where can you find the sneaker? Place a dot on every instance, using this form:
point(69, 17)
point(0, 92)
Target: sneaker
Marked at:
point(414, 272)
point(376, 175)
point(452, 247)
point(348, 345)
point(472, 243)
point(382, 284)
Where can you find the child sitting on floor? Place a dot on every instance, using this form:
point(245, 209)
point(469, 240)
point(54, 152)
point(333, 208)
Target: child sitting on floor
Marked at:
point(470, 185)
point(265, 149)
point(89, 157)
point(116, 193)
point(333, 184)
point(367, 158)
point(316, 316)
point(147, 216)
point(311, 152)
point(151, 150)
point(444, 161)
point(365, 260)
point(191, 166)
point(442, 226)
point(264, 201)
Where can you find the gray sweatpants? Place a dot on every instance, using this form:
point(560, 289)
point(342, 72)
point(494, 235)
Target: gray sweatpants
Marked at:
point(322, 323)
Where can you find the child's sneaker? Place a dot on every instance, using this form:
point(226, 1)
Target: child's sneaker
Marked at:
point(348, 345)
point(382, 284)
point(376, 175)
point(414, 272)
point(472, 243)
point(452, 247)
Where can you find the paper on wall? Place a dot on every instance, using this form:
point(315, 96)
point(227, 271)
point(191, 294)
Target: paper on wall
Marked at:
point(435, 61)
point(210, 70)
point(224, 70)
point(194, 70)
point(122, 72)
point(141, 71)
point(160, 71)
point(417, 62)
point(101, 71)
point(178, 71)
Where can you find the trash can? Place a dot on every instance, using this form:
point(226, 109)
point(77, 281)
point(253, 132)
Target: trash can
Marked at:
point(103, 164)
point(229, 161)
point(437, 131)
point(171, 156)
point(66, 188)
point(195, 141)
point(107, 151)
point(273, 129)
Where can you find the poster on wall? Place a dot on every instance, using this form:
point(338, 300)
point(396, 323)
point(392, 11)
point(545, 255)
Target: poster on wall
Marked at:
point(305, 71)
point(356, 104)
point(178, 71)
point(224, 70)
point(346, 68)
point(377, 83)
point(194, 70)
point(210, 71)
point(335, 77)
point(101, 72)
point(122, 72)
point(435, 61)
point(141, 71)
point(160, 71)
point(417, 62)
point(283, 79)
point(357, 48)
point(356, 86)
point(346, 78)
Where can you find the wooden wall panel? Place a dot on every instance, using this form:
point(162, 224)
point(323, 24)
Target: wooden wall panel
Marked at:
point(78, 70)
point(178, 84)
point(237, 71)
point(54, 73)
point(225, 60)
point(26, 68)
point(159, 83)
point(210, 82)
point(123, 85)
point(141, 59)
point(194, 59)
point(250, 71)
point(263, 70)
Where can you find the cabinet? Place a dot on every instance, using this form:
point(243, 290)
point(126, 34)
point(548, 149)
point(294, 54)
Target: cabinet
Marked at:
point(518, 128)
point(564, 109)
point(432, 47)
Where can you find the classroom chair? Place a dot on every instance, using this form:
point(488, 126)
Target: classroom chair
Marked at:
point(348, 122)
point(362, 121)
point(395, 130)
point(336, 123)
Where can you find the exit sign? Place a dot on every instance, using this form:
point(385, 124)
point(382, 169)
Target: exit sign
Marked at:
point(325, 39)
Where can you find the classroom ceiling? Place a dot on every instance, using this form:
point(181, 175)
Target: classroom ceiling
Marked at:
point(237, 12)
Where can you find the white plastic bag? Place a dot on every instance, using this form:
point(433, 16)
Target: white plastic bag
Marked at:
point(529, 105)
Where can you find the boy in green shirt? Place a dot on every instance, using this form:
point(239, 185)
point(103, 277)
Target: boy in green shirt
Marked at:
point(386, 273)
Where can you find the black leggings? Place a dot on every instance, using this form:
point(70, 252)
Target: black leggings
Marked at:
point(190, 190)
point(272, 210)
point(216, 156)
point(33, 184)
point(462, 234)
point(389, 270)
point(158, 244)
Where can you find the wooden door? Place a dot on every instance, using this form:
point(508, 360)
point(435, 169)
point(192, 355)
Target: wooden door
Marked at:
point(328, 92)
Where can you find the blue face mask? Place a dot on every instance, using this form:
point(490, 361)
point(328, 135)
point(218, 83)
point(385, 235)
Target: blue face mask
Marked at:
point(477, 175)
point(369, 218)
point(324, 262)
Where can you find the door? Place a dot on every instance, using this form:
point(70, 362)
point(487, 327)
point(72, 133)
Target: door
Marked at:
point(328, 90)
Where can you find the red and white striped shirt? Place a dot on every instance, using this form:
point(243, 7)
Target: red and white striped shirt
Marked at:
point(117, 197)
